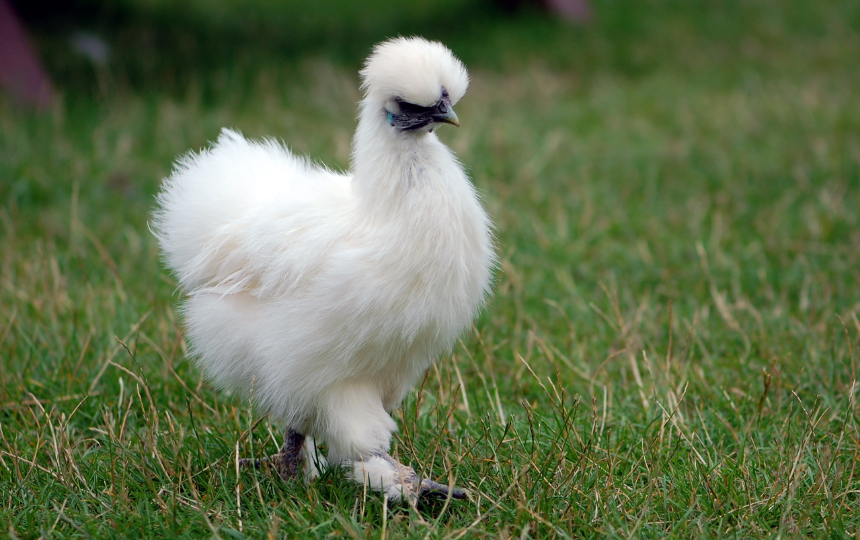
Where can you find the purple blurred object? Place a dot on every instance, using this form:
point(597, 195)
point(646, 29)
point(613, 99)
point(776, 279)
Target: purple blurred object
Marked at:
point(577, 11)
point(572, 10)
point(21, 74)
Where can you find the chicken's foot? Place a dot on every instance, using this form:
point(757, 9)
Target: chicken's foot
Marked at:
point(398, 481)
point(287, 462)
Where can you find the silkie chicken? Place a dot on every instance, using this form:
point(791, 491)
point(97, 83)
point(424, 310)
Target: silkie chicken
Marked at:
point(324, 297)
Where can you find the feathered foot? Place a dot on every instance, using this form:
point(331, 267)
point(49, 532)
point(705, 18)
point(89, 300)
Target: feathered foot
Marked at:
point(384, 473)
point(287, 462)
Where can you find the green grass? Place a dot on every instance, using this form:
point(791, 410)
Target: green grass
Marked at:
point(672, 348)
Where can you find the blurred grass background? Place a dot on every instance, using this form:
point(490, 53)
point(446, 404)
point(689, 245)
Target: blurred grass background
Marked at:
point(672, 348)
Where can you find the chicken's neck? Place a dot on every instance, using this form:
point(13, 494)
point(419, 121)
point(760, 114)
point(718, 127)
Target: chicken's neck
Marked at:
point(390, 168)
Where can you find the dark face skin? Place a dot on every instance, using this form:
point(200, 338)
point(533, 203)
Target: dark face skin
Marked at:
point(412, 117)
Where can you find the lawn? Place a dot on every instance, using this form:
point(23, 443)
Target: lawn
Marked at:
point(673, 343)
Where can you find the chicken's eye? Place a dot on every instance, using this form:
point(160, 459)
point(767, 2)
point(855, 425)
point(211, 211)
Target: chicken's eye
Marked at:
point(411, 108)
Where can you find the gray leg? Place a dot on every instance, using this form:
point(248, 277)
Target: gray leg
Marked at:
point(287, 462)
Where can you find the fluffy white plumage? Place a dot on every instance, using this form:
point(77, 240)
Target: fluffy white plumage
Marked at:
point(325, 296)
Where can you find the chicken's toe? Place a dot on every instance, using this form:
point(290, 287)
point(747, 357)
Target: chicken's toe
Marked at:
point(431, 489)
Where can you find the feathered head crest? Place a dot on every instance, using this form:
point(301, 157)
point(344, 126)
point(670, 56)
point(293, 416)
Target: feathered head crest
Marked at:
point(414, 70)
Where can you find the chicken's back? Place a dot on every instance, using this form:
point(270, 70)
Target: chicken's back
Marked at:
point(222, 206)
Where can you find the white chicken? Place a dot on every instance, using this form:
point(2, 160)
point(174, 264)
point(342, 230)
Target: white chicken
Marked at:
point(324, 296)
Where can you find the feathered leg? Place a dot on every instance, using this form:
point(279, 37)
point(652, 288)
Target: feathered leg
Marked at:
point(287, 462)
point(359, 437)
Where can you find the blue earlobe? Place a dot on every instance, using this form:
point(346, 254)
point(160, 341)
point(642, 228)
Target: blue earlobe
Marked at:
point(390, 118)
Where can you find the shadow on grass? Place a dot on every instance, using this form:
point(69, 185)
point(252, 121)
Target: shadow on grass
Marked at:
point(164, 46)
